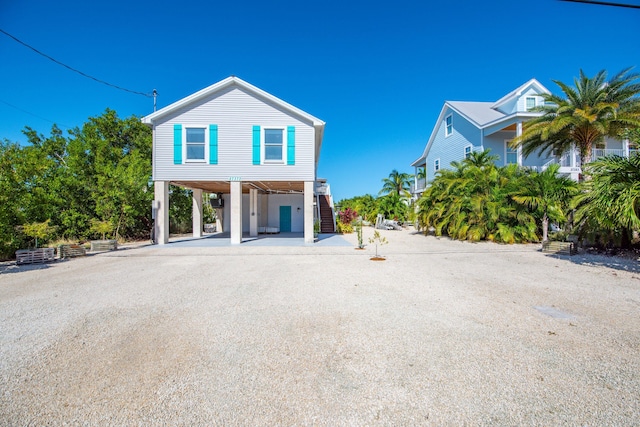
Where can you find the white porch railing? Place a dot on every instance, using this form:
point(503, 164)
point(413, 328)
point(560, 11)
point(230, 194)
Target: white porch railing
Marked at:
point(596, 153)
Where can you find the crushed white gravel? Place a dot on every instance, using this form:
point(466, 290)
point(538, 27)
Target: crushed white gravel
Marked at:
point(441, 333)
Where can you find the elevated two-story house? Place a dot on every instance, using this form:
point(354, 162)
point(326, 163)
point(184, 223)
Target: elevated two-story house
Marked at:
point(255, 152)
point(464, 127)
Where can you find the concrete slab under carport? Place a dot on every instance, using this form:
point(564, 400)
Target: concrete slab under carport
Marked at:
point(265, 240)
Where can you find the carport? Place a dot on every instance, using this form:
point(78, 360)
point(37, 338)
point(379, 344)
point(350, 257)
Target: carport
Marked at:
point(285, 207)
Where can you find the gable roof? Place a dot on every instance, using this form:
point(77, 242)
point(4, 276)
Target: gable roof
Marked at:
point(479, 113)
point(482, 114)
point(222, 85)
point(518, 92)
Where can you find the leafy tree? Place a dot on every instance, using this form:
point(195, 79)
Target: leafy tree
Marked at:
point(38, 230)
point(366, 205)
point(13, 190)
point(547, 194)
point(610, 201)
point(99, 171)
point(583, 115)
point(100, 227)
point(180, 210)
point(398, 183)
point(117, 153)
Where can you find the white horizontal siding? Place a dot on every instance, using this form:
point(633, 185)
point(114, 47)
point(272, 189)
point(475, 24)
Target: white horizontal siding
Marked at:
point(235, 112)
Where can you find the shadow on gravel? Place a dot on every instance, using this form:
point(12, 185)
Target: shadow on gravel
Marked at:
point(12, 267)
point(616, 263)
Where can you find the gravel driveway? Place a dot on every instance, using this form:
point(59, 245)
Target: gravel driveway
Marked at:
point(441, 333)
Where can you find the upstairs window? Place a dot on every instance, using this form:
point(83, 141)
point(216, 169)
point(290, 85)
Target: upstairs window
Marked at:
point(273, 144)
point(530, 103)
point(448, 130)
point(195, 138)
point(467, 151)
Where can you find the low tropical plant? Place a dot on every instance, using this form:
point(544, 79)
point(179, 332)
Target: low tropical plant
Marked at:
point(609, 204)
point(547, 194)
point(345, 220)
point(472, 201)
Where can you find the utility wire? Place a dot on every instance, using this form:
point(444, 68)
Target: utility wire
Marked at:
point(605, 3)
point(34, 115)
point(148, 95)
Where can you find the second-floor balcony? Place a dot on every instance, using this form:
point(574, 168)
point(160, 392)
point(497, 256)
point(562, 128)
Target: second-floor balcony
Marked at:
point(418, 186)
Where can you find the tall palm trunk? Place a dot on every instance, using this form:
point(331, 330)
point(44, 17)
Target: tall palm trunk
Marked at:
point(545, 228)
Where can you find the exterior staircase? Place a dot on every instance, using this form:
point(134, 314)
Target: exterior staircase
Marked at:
point(327, 223)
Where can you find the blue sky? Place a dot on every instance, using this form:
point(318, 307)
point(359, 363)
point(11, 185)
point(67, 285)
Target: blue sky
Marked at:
point(376, 72)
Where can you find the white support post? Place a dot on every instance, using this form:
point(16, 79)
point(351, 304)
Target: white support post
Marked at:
point(253, 212)
point(219, 220)
point(625, 147)
point(518, 134)
point(197, 213)
point(308, 211)
point(161, 194)
point(236, 212)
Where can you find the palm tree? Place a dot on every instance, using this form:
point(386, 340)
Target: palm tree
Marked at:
point(611, 198)
point(393, 206)
point(397, 183)
point(547, 194)
point(472, 202)
point(584, 115)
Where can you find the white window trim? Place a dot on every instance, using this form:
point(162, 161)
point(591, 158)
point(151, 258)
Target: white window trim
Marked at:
point(506, 152)
point(263, 149)
point(448, 133)
point(206, 143)
point(535, 102)
point(436, 165)
point(470, 147)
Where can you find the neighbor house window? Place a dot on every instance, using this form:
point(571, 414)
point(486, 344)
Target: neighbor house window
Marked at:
point(448, 130)
point(273, 144)
point(467, 151)
point(530, 103)
point(195, 138)
point(436, 165)
point(511, 155)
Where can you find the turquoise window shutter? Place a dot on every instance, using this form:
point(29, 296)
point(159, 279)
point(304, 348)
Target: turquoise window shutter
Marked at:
point(291, 145)
point(213, 144)
point(256, 145)
point(177, 144)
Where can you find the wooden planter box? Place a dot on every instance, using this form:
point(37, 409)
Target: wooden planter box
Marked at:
point(560, 248)
point(71, 251)
point(104, 245)
point(32, 256)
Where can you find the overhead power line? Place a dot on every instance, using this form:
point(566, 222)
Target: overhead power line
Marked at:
point(606, 3)
point(149, 95)
point(34, 115)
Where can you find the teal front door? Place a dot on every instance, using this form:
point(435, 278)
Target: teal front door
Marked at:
point(285, 219)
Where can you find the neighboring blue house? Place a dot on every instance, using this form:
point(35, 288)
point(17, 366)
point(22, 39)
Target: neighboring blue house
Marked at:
point(464, 127)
